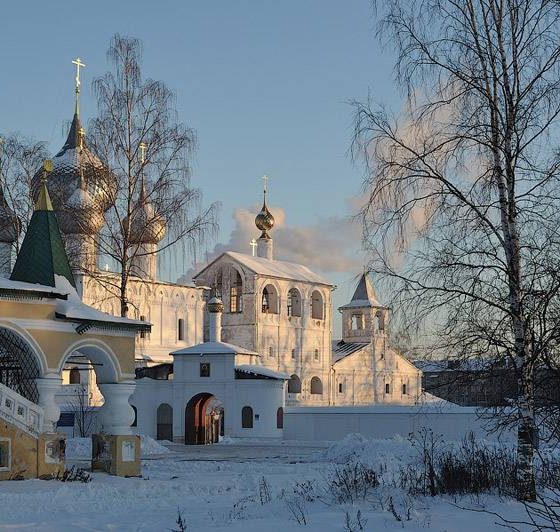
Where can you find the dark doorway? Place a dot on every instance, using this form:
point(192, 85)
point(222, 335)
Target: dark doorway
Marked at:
point(203, 420)
point(165, 422)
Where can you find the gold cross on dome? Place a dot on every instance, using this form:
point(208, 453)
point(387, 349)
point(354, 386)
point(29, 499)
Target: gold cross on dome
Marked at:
point(143, 147)
point(78, 63)
point(265, 179)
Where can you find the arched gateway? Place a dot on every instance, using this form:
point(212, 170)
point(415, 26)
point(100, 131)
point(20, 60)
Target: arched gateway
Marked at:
point(43, 322)
point(203, 419)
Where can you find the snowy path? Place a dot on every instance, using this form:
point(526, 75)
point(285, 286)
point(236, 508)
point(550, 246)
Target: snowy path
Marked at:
point(217, 488)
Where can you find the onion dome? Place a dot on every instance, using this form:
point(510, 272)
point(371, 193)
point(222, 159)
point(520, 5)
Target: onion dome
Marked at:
point(264, 220)
point(147, 226)
point(81, 215)
point(10, 224)
point(69, 163)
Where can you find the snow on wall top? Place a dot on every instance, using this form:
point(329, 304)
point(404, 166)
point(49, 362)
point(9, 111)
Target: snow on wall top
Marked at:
point(213, 348)
point(261, 370)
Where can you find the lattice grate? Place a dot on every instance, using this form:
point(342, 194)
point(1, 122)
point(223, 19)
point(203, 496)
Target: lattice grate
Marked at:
point(18, 365)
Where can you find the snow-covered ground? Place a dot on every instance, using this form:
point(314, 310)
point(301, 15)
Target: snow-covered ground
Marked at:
point(221, 487)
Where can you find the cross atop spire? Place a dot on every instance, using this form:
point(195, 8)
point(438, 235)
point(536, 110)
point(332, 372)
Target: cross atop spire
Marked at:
point(143, 147)
point(78, 63)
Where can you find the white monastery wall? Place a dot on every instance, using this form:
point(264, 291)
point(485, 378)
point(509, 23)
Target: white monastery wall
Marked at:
point(334, 423)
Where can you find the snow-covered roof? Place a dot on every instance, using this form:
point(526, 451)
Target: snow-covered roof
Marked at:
point(261, 370)
point(20, 286)
point(273, 268)
point(341, 349)
point(213, 348)
point(73, 308)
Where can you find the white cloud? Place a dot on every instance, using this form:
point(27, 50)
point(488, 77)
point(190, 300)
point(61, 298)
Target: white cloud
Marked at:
point(330, 245)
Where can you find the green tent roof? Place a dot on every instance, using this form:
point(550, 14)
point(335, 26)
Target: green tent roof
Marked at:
point(42, 254)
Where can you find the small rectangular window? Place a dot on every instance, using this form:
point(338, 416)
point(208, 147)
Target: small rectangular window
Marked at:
point(340, 387)
point(205, 369)
point(142, 333)
point(387, 388)
point(180, 329)
point(5, 455)
point(270, 351)
point(404, 389)
point(316, 354)
point(293, 354)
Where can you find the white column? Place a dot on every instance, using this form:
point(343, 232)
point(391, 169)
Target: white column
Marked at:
point(48, 387)
point(264, 248)
point(215, 326)
point(116, 414)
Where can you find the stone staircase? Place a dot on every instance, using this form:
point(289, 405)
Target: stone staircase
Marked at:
point(20, 412)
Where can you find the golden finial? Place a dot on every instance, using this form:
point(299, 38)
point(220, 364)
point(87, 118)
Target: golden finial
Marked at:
point(78, 63)
point(44, 201)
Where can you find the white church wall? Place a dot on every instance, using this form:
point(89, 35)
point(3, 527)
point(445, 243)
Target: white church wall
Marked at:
point(334, 423)
point(160, 303)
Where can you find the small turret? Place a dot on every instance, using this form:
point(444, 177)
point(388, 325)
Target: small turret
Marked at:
point(215, 309)
point(363, 318)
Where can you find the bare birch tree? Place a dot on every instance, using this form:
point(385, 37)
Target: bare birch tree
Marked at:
point(19, 160)
point(138, 135)
point(466, 181)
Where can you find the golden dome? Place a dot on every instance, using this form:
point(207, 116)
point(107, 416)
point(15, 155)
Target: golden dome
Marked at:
point(148, 226)
point(264, 220)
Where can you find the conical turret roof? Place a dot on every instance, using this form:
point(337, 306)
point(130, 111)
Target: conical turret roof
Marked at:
point(364, 295)
point(42, 256)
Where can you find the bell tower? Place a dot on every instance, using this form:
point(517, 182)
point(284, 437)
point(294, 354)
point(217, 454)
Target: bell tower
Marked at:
point(364, 318)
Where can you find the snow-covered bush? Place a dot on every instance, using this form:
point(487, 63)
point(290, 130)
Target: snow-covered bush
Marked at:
point(351, 482)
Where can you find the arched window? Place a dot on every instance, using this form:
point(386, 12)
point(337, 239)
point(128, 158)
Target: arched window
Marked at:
point(75, 376)
point(280, 418)
point(164, 422)
point(235, 292)
point(357, 321)
point(316, 354)
point(294, 384)
point(180, 329)
point(269, 300)
point(294, 302)
point(316, 386)
point(380, 320)
point(135, 422)
point(317, 305)
point(293, 354)
point(247, 417)
point(404, 389)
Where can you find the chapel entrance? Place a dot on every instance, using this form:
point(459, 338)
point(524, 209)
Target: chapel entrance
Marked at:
point(204, 416)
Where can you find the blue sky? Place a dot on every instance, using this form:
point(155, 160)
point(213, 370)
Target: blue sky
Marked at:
point(264, 83)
